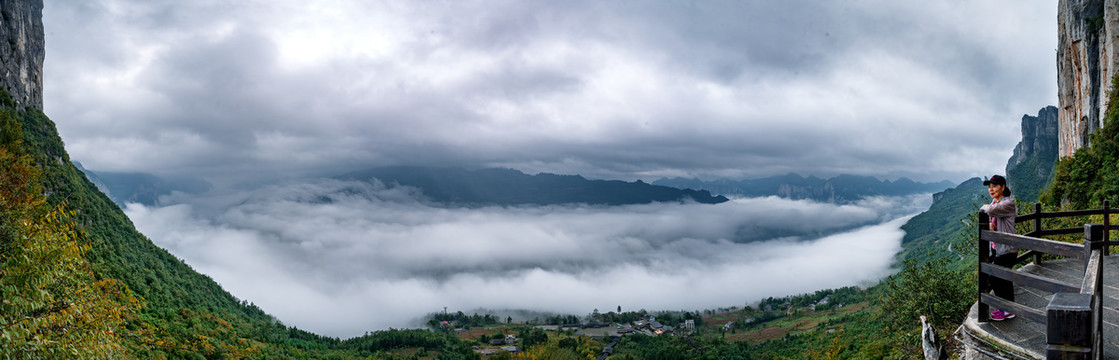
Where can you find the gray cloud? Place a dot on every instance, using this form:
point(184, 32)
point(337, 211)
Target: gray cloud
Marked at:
point(342, 258)
point(612, 90)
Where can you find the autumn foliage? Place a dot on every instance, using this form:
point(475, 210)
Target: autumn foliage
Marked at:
point(53, 306)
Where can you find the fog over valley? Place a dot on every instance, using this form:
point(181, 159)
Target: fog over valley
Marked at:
point(280, 107)
point(341, 258)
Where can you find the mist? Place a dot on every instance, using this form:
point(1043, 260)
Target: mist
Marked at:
point(341, 258)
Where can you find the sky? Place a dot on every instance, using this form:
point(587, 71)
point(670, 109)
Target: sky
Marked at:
point(341, 258)
point(236, 91)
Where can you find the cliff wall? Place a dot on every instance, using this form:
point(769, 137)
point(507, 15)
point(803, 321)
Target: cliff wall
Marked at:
point(22, 50)
point(1039, 136)
point(1031, 168)
point(1087, 36)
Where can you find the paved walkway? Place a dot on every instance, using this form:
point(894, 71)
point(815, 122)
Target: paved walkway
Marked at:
point(1026, 339)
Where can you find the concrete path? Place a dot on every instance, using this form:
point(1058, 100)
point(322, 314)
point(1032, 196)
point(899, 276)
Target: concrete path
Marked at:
point(1019, 337)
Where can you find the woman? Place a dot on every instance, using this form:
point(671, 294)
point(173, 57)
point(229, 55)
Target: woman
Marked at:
point(1002, 212)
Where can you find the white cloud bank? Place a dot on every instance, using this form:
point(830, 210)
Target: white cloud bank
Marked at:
point(341, 258)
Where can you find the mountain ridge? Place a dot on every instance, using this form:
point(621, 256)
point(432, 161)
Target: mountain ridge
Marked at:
point(844, 188)
point(504, 186)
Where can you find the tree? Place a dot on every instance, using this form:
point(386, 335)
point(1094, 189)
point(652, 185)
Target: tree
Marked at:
point(533, 336)
point(930, 289)
point(52, 306)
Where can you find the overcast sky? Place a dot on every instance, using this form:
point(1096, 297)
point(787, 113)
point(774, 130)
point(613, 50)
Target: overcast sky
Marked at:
point(230, 90)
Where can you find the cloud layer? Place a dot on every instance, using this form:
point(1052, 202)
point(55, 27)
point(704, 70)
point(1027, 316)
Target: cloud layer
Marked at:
point(342, 258)
point(619, 90)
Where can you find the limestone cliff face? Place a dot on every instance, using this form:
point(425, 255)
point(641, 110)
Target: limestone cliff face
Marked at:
point(22, 50)
point(1039, 136)
point(1087, 33)
point(1031, 168)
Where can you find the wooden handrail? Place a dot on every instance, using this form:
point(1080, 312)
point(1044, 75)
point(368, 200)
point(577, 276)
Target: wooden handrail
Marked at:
point(1032, 243)
point(1060, 214)
point(1074, 316)
point(1027, 279)
point(1092, 274)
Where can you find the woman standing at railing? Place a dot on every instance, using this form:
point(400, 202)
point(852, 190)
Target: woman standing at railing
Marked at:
point(1003, 213)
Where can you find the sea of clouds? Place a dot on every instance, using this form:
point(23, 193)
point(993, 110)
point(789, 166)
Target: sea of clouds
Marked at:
point(343, 257)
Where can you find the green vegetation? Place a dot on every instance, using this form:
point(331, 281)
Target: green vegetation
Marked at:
point(874, 323)
point(53, 306)
point(1027, 184)
point(931, 289)
point(459, 319)
point(950, 219)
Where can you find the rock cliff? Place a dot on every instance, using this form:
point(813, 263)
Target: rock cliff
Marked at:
point(21, 55)
point(1087, 33)
point(1039, 136)
point(1030, 169)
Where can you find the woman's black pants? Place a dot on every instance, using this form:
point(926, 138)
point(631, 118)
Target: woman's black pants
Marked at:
point(1004, 288)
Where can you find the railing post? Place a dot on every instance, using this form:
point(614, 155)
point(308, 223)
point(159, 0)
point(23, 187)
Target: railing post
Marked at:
point(1106, 228)
point(984, 251)
point(1037, 229)
point(1069, 326)
point(1093, 239)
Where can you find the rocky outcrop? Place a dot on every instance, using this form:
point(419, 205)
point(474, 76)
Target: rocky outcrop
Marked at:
point(1086, 61)
point(1039, 136)
point(1031, 167)
point(22, 50)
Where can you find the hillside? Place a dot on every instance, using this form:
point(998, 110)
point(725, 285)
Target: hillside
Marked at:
point(511, 187)
point(839, 189)
point(179, 303)
point(146, 189)
point(945, 223)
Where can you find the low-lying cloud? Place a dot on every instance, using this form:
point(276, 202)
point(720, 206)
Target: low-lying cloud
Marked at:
point(342, 258)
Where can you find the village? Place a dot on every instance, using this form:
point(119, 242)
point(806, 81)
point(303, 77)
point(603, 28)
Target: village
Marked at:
point(606, 332)
point(768, 319)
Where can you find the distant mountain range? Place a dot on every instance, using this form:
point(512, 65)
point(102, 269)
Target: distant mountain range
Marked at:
point(839, 189)
point(500, 186)
point(496, 186)
point(135, 187)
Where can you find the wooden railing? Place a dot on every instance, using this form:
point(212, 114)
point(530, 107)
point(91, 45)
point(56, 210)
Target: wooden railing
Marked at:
point(1074, 316)
point(1037, 231)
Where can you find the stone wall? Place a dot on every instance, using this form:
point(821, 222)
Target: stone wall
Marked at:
point(22, 50)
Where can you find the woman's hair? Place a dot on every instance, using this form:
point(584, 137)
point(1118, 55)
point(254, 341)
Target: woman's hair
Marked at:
point(1005, 190)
